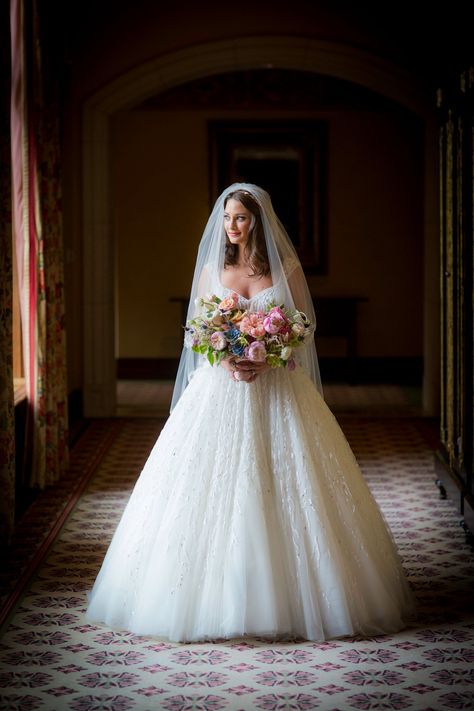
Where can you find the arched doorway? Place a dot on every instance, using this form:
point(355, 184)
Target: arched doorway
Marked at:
point(199, 61)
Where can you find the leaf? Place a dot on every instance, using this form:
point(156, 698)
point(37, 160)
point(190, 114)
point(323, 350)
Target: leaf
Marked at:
point(273, 360)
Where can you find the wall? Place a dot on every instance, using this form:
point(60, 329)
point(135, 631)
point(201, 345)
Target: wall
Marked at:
point(102, 41)
point(161, 203)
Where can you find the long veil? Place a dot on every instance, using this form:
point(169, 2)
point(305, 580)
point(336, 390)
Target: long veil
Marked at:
point(285, 270)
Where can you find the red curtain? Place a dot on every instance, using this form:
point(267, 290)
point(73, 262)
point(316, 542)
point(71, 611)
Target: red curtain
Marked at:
point(7, 424)
point(38, 240)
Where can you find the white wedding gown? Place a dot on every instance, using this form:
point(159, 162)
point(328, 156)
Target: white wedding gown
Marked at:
point(251, 517)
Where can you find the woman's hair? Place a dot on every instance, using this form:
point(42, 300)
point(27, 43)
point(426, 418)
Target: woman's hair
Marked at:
point(255, 249)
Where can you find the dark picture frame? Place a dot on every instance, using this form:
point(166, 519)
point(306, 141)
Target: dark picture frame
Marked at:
point(288, 159)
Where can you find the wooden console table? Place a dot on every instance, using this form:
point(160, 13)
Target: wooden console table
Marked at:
point(336, 317)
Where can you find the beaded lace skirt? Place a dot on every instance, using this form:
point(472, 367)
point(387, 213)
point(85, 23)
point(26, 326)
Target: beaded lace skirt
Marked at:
point(251, 517)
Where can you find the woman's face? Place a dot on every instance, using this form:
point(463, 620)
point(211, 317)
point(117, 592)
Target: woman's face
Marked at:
point(237, 222)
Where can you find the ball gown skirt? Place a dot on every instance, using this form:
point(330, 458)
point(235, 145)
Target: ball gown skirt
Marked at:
point(251, 517)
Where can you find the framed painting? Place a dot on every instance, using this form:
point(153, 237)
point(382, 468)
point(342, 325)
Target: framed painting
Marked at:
point(288, 160)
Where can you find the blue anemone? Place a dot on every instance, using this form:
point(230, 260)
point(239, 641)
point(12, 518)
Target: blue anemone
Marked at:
point(237, 348)
point(232, 335)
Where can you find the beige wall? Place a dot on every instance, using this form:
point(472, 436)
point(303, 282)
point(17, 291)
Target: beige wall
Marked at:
point(105, 40)
point(160, 180)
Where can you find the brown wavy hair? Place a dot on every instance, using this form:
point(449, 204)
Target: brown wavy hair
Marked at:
point(255, 250)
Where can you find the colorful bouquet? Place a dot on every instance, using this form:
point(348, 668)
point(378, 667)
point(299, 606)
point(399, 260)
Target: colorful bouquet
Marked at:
point(222, 330)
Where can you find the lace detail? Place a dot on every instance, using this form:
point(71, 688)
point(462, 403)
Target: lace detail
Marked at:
point(263, 298)
point(259, 301)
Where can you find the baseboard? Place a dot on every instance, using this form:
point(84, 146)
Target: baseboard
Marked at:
point(77, 422)
point(396, 371)
point(454, 488)
point(147, 368)
point(401, 371)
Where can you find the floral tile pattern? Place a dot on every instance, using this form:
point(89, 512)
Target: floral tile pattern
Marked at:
point(52, 659)
point(37, 526)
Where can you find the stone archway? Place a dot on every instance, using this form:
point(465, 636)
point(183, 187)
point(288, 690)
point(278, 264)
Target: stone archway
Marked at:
point(195, 62)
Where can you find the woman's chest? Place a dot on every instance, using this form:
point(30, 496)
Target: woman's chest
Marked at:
point(261, 301)
point(239, 281)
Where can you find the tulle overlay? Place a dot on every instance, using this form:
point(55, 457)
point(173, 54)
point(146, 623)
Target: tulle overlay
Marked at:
point(251, 517)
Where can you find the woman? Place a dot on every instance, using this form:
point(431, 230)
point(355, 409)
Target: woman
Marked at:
point(251, 516)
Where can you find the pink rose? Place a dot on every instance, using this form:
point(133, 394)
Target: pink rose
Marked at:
point(218, 341)
point(230, 302)
point(256, 352)
point(291, 364)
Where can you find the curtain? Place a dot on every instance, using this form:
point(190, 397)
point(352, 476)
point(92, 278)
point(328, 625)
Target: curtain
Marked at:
point(38, 243)
point(7, 424)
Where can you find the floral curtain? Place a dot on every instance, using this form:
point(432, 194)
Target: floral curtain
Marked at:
point(7, 425)
point(38, 242)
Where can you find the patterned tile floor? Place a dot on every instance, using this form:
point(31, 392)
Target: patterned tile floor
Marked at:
point(51, 659)
point(41, 522)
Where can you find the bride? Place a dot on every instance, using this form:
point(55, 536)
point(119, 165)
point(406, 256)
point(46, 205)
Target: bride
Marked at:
point(251, 516)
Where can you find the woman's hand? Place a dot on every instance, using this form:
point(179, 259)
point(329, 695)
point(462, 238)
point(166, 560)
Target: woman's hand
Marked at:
point(244, 370)
point(230, 366)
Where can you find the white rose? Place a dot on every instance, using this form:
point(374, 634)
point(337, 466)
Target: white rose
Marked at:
point(189, 338)
point(298, 329)
point(286, 353)
point(308, 334)
point(217, 318)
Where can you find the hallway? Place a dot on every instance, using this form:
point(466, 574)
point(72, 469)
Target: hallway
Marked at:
point(51, 659)
point(120, 124)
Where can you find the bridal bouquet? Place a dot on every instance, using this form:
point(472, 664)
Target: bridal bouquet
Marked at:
point(222, 330)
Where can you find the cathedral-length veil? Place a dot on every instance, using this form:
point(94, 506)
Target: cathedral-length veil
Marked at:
point(285, 270)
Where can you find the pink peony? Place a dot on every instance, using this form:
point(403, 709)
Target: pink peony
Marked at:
point(256, 352)
point(277, 310)
point(258, 331)
point(218, 341)
point(274, 322)
point(253, 325)
point(245, 325)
